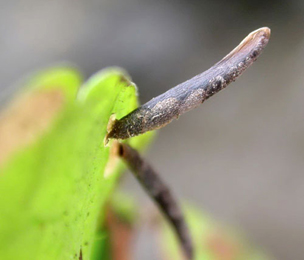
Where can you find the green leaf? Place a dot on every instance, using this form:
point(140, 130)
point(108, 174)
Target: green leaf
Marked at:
point(53, 183)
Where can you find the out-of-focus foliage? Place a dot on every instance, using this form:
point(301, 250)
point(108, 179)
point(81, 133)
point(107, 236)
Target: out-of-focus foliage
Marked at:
point(52, 180)
point(115, 236)
point(211, 240)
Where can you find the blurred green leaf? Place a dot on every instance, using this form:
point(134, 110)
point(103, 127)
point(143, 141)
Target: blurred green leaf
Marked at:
point(53, 187)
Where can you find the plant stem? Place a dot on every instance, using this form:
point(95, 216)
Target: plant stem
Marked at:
point(160, 193)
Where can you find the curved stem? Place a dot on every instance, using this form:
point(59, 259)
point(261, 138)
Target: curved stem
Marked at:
point(161, 110)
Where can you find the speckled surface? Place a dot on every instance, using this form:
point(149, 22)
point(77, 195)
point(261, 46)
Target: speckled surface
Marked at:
point(161, 110)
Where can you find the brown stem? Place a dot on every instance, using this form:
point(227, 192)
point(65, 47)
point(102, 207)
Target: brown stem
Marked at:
point(160, 193)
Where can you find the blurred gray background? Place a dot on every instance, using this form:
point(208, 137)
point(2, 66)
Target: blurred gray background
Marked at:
point(240, 155)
